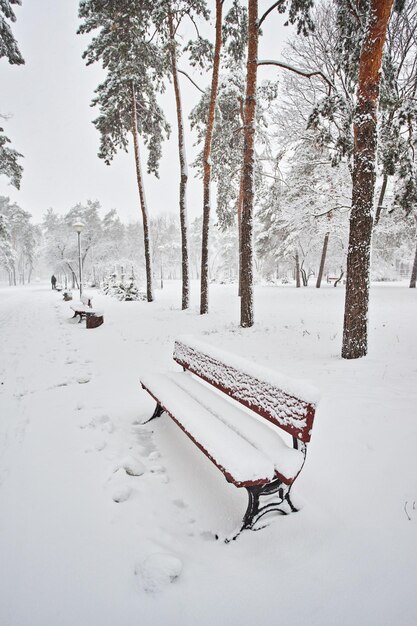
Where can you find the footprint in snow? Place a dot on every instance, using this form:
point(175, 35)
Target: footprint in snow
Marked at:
point(132, 466)
point(207, 535)
point(180, 504)
point(103, 422)
point(120, 489)
point(65, 383)
point(82, 380)
point(158, 571)
point(121, 493)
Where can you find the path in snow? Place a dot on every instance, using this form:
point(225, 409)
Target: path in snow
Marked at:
point(106, 522)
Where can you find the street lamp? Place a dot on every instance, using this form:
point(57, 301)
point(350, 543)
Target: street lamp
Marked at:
point(78, 227)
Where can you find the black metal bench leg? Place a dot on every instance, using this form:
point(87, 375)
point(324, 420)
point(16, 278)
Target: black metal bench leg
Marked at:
point(290, 504)
point(157, 413)
point(263, 499)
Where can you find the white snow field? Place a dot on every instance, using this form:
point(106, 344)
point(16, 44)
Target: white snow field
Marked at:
point(107, 522)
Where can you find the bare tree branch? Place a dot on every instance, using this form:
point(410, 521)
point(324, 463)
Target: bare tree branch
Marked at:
point(191, 80)
point(296, 70)
point(267, 12)
point(338, 207)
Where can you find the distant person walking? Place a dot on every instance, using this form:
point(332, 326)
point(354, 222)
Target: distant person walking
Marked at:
point(53, 281)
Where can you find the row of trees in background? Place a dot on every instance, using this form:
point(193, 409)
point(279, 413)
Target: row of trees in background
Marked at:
point(339, 48)
point(27, 249)
point(19, 242)
point(297, 164)
point(109, 245)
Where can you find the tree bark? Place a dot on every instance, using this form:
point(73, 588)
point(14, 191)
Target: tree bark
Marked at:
point(355, 329)
point(246, 267)
point(414, 272)
point(183, 170)
point(239, 229)
point(322, 260)
point(206, 161)
point(142, 198)
point(297, 270)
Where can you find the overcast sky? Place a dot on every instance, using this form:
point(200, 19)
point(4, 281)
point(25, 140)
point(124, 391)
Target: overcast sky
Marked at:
point(49, 98)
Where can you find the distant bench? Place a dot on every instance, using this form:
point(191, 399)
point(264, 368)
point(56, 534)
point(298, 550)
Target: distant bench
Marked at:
point(84, 310)
point(247, 450)
point(335, 279)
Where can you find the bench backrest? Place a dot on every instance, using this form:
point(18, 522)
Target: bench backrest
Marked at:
point(274, 397)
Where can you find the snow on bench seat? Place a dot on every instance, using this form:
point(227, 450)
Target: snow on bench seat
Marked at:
point(238, 459)
point(287, 460)
point(80, 306)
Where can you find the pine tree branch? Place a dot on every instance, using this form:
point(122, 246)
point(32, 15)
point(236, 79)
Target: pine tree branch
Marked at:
point(296, 70)
point(267, 12)
point(191, 80)
point(193, 21)
point(338, 207)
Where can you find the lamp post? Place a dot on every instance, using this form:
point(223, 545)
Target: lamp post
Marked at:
point(78, 227)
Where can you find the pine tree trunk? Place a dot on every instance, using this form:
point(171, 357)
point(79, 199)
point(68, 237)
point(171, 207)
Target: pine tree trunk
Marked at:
point(239, 229)
point(144, 209)
point(355, 330)
point(206, 162)
point(322, 260)
point(414, 272)
point(183, 170)
point(297, 270)
point(246, 268)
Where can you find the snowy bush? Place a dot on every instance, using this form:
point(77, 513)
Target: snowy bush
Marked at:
point(122, 289)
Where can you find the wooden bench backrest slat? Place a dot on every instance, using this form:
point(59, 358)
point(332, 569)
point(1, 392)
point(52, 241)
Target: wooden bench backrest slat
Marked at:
point(292, 414)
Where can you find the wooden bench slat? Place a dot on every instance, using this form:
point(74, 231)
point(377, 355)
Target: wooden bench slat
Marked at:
point(287, 460)
point(239, 460)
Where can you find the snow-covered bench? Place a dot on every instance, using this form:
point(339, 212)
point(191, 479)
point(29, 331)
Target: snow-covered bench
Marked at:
point(84, 309)
point(246, 446)
point(82, 306)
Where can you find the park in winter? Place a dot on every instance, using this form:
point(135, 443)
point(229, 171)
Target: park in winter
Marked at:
point(208, 262)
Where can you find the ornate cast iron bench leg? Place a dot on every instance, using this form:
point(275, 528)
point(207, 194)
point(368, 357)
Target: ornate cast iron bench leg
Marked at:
point(263, 499)
point(157, 413)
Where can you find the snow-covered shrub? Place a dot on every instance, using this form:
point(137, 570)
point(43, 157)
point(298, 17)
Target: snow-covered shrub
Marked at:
point(122, 289)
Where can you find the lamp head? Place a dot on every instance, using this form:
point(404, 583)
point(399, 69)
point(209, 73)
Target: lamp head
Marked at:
point(78, 227)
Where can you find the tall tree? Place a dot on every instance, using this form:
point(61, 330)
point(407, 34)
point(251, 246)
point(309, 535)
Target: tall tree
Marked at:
point(168, 17)
point(204, 293)
point(355, 329)
point(127, 98)
point(9, 165)
point(246, 227)
point(299, 13)
point(183, 166)
point(413, 278)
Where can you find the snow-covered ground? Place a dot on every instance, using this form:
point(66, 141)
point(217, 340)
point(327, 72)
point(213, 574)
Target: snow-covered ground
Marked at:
point(84, 543)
